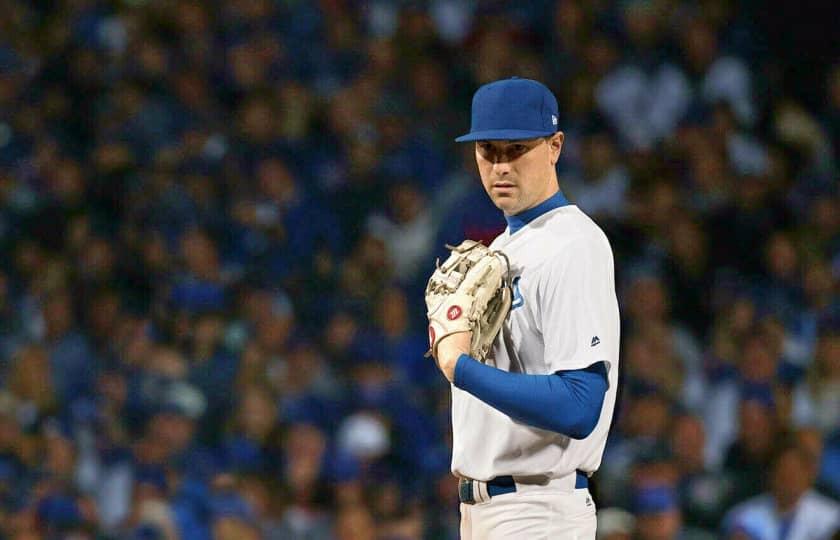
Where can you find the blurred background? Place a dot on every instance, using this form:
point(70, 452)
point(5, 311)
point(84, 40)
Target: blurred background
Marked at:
point(217, 219)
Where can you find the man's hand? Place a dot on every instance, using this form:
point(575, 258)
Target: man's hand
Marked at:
point(449, 349)
point(470, 292)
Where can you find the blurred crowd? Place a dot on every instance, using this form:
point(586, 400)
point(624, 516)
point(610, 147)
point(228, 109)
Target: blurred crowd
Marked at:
point(217, 219)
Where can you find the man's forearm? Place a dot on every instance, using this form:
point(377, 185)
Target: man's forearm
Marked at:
point(567, 402)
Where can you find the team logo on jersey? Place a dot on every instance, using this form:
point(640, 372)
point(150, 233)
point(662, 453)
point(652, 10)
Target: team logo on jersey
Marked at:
point(453, 313)
point(518, 300)
point(595, 341)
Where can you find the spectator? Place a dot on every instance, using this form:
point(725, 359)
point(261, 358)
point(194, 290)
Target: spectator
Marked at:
point(615, 524)
point(790, 508)
point(817, 399)
point(30, 383)
point(748, 459)
point(407, 232)
point(719, 77)
point(355, 523)
point(71, 361)
point(404, 346)
point(646, 96)
point(305, 515)
point(602, 192)
point(247, 448)
point(703, 493)
point(658, 515)
point(649, 313)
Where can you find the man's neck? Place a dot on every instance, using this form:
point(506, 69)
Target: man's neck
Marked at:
point(516, 222)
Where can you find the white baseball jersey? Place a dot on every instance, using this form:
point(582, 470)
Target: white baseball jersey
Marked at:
point(564, 316)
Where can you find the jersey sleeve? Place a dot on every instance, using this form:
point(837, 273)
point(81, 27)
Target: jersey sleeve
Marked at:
point(578, 308)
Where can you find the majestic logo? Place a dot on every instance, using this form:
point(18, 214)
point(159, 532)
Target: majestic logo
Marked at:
point(595, 341)
point(518, 300)
point(453, 313)
point(431, 335)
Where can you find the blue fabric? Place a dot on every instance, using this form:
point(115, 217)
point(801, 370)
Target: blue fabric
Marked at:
point(190, 527)
point(230, 505)
point(568, 402)
point(406, 354)
point(215, 378)
point(153, 475)
point(191, 509)
point(759, 392)
point(313, 408)
point(784, 527)
point(501, 485)
point(342, 467)
point(196, 295)
point(829, 476)
point(242, 454)
point(198, 463)
point(59, 512)
point(655, 499)
point(415, 431)
point(473, 216)
point(523, 218)
point(506, 484)
point(73, 364)
point(512, 109)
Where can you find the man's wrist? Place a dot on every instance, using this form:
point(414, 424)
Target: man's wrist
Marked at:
point(449, 350)
point(450, 363)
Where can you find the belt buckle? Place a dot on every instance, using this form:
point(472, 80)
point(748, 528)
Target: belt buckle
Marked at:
point(465, 491)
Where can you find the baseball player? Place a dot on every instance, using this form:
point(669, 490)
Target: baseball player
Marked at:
point(530, 422)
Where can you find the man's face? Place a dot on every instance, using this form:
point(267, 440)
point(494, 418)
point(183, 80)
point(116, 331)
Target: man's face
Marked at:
point(518, 175)
point(659, 526)
point(790, 478)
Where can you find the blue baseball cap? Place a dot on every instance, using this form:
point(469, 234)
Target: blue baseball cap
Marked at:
point(512, 109)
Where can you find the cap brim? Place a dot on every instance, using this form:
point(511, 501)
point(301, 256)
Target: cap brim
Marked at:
point(503, 135)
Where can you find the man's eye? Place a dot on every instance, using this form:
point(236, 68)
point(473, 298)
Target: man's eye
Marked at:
point(519, 148)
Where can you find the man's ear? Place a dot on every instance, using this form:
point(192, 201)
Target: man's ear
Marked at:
point(555, 143)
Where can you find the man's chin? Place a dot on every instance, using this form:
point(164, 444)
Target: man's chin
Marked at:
point(506, 205)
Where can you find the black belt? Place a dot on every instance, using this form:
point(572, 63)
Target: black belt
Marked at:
point(505, 484)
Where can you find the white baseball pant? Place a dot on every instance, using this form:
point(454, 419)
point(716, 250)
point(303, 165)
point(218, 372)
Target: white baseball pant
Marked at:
point(534, 514)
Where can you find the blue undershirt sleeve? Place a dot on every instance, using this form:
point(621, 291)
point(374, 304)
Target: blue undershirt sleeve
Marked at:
point(567, 402)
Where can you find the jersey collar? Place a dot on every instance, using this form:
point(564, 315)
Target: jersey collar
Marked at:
point(526, 216)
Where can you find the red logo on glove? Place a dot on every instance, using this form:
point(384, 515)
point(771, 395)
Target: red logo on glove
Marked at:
point(453, 313)
point(431, 336)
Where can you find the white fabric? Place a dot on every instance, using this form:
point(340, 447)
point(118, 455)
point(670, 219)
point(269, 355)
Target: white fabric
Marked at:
point(538, 514)
point(721, 423)
point(747, 155)
point(817, 405)
point(816, 518)
point(407, 244)
point(606, 196)
point(564, 316)
point(728, 79)
point(644, 107)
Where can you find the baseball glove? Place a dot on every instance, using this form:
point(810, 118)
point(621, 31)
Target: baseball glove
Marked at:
point(470, 291)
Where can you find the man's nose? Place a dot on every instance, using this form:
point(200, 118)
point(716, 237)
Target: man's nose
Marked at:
point(501, 168)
